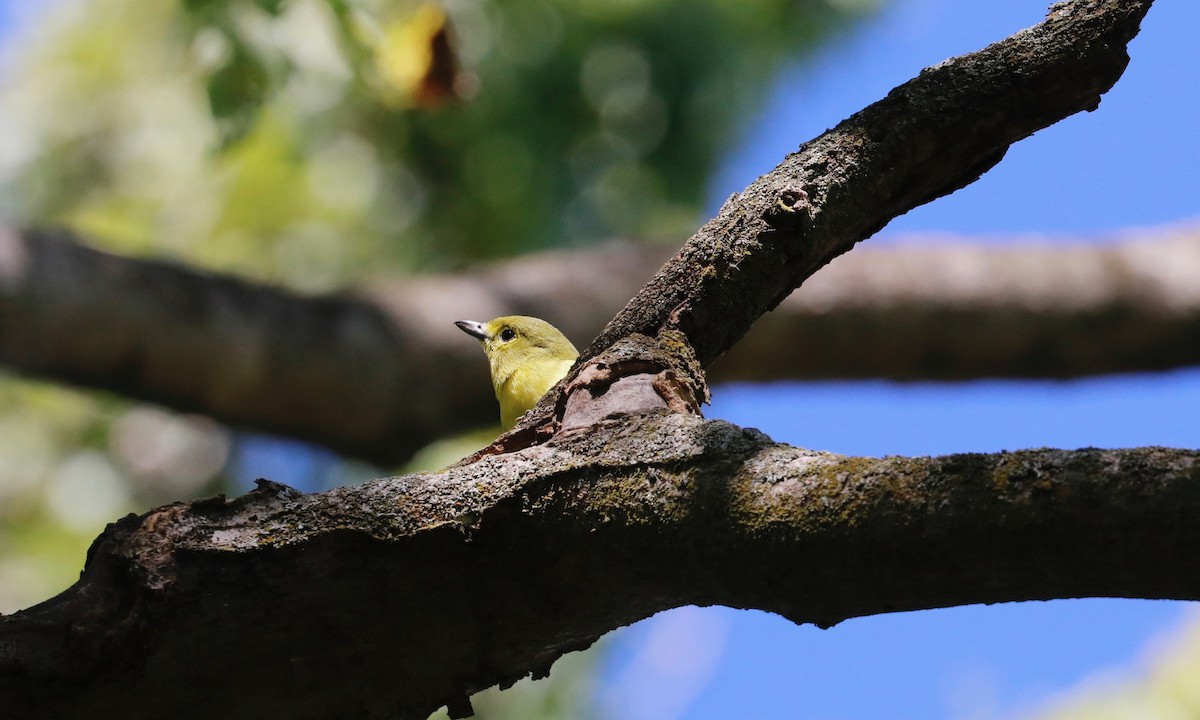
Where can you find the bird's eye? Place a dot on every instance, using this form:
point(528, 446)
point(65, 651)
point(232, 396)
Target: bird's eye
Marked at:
point(507, 334)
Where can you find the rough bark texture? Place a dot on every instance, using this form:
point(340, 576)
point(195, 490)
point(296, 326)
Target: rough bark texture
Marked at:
point(392, 598)
point(398, 596)
point(381, 377)
point(927, 138)
point(329, 369)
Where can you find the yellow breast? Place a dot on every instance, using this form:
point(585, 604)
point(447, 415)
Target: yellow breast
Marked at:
point(521, 389)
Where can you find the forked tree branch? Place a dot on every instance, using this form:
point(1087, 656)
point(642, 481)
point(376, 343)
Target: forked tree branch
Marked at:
point(329, 369)
point(400, 595)
point(381, 378)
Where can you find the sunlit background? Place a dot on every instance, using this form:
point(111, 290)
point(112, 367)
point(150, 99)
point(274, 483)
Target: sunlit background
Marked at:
point(256, 137)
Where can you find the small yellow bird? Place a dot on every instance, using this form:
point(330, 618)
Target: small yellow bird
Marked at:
point(527, 356)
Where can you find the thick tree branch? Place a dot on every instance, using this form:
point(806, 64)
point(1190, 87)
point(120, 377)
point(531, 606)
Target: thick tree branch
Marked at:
point(379, 385)
point(932, 135)
point(334, 370)
point(945, 311)
point(955, 311)
point(404, 594)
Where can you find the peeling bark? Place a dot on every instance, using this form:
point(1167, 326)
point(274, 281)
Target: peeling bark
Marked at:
point(398, 596)
point(395, 597)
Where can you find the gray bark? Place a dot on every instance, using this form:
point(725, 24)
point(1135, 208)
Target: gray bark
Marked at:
point(381, 376)
point(329, 369)
point(392, 598)
point(395, 597)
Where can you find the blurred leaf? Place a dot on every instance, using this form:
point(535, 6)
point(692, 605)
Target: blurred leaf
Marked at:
point(203, 8)
point(578, 121)
point(236, 92)
point(415, 61)
point(309, 142)
point(271, 6)
point(566, 695)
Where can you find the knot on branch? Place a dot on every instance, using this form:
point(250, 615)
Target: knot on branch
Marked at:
point(792, 210)
point(636, 375)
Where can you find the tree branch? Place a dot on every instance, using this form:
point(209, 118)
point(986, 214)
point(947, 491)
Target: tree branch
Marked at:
point(930, 136)
point(484, 573)
point(956, 311)
point(329, 369)
point(334, 370)
point(381, 383)
point(403, 594)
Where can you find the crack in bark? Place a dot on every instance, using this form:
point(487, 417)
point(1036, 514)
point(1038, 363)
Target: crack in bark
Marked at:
point(393, 597)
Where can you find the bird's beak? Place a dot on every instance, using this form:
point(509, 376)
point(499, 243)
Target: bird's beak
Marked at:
point(472, 328)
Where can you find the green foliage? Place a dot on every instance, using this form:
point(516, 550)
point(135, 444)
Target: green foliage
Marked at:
point(309, 142)
point(565, 696)
point(236, 90)
point(300, 141)
point(75, 461)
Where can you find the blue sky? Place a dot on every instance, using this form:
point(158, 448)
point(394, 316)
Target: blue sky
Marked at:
point(1132, 163)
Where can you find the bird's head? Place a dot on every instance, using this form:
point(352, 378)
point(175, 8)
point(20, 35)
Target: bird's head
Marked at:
point(527, 356)
point(511, 340)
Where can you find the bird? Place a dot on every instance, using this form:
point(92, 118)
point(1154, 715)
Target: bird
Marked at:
point(527, 355)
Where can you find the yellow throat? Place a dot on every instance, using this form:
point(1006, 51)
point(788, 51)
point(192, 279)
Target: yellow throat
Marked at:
point(527, 356)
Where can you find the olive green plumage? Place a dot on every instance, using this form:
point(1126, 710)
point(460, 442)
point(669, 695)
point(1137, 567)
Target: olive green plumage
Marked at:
point(527, 356)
